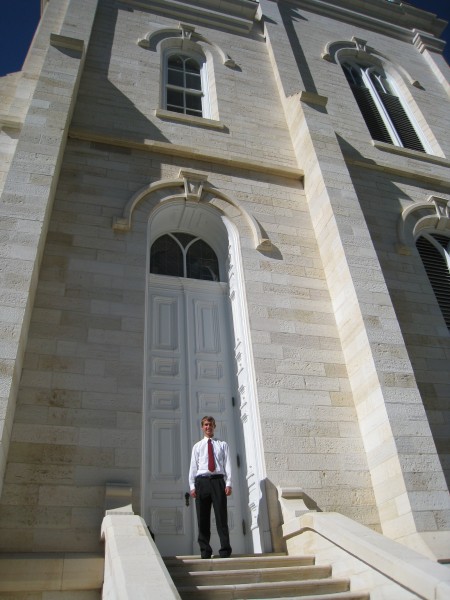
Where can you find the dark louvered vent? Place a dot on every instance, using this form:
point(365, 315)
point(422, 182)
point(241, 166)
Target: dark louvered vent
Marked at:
point(371, 115)
point(437, 271)
point(402, 124)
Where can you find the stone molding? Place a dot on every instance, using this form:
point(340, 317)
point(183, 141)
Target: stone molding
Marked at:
point(170, 115)
point(424, 41)
point(437, 217)
point(358, 48)
point(227, 14)
point(408, 153)
point(67, 43)
point(189, 152)
point(374, 16)
point(185, 32)
point(195, 189)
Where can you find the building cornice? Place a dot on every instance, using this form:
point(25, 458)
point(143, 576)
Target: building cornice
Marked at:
point(398, 20)
point(232, 15)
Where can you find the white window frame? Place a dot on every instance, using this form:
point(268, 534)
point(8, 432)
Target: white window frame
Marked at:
point(366, 69)
point(201, 60)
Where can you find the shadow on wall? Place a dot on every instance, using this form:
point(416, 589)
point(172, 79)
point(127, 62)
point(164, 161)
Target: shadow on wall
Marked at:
point(290, 16)
point(416, 308)
point(101, 106)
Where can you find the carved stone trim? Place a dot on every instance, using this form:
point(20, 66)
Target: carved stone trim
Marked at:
point(186, 32)
point(437, 216)
point(425, 41)
point(195, 189)
point(67, 43)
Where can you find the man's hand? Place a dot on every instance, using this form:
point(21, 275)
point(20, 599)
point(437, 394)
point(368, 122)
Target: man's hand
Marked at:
point(228, 491)
point(193, 493)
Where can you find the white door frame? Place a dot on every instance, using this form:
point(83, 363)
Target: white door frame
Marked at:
point(212, 220)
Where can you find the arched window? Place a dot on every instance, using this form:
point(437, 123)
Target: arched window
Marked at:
point(434, 250)
point(381, 106)
point(184, 255)
point(184, 87)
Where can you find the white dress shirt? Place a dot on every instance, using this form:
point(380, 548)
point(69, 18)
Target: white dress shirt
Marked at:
point(199, 461)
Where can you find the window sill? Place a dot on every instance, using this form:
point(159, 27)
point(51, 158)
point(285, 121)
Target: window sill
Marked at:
point(168, 115)
point(431, 158)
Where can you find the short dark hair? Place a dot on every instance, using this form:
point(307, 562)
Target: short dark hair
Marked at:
point(210, 419)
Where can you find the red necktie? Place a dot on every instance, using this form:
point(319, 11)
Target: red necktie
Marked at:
point(211, 461)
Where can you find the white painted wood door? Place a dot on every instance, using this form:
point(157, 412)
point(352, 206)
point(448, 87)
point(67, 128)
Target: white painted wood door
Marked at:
point(189, 374)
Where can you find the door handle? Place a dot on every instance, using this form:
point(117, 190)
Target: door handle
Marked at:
point(187, 497)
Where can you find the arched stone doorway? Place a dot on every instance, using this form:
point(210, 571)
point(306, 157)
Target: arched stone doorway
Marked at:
point(194, 365)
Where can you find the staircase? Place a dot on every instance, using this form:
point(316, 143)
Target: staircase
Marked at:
point(273, 576)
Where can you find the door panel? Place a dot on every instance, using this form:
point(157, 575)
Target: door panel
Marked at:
point(189, 374)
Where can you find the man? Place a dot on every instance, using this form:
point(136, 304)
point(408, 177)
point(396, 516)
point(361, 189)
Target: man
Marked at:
point(210, 483)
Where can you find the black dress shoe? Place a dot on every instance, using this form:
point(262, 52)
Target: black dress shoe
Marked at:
point(206, 555)
point(224, 555)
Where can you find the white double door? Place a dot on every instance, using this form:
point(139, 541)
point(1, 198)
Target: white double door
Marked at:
point(189, 374)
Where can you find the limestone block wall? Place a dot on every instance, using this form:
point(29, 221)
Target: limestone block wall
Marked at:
point(78, 419)
point(379, 371)
point(383, 199)
point(78, 422)
point(121, 88)
point(387, 182)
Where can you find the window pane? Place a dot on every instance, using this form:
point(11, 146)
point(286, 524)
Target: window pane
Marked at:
point(175, 77)
point(353, 75)
point(176, 61)
point(202, 262)
point(175, 98)
point(192, 66)
point(183, 238)
point(166, 257)
point(193, 102)
point(193, 82)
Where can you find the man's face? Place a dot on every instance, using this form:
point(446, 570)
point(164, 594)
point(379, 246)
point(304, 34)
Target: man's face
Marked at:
point(208, 428)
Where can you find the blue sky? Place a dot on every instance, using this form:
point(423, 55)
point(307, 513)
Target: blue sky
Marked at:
point(19, 18)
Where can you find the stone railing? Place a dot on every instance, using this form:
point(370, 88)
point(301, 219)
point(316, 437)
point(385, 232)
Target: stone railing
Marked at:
point(134, 569)
point(386, 569)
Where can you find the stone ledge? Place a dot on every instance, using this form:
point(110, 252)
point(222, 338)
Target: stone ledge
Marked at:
point(10, 122)
point(407, 153)
point(47, 572)
point(175, 150)
point(229, 14)
point(170, 115)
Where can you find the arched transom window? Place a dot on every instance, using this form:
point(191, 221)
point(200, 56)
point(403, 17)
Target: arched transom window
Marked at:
point(184, 255)
point(434, 250)
point(381, 106)
point(184, 85)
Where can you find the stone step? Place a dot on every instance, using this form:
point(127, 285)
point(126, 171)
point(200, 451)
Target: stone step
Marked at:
point(334, 596)
point(257, 577)
point(254, 561)
point(254, 575)
point(284, 589)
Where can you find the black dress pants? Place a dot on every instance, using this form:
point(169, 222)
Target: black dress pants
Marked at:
point(211, 491)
